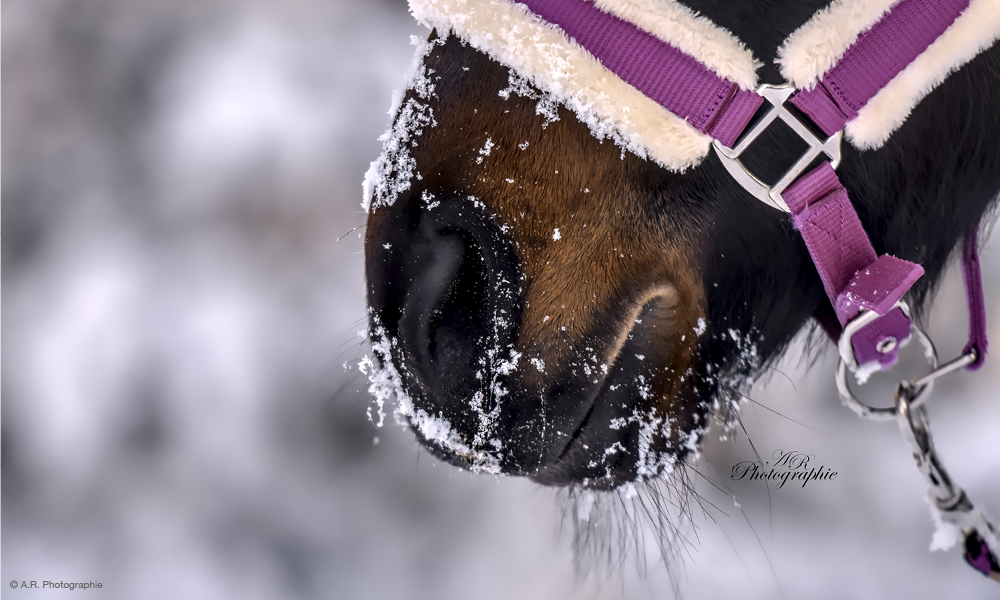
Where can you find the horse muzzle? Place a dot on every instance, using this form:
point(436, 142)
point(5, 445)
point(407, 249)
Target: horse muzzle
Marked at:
point(597, 405)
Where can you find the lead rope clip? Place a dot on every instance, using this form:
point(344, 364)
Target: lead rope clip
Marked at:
point(951, 502)
point(910, 413)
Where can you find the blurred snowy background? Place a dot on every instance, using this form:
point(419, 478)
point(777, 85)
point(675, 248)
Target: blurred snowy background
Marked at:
point(178, 309)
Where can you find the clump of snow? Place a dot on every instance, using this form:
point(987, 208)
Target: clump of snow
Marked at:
point(700, 327)
point(650, 462)
point(864, 372)
point(946, 535)
point(508, 366)
point(393, 171)
point(547, 107)
point(386, 386)
point(556, 236)
point(428, 199)
point(485, 151)
point(368, 367)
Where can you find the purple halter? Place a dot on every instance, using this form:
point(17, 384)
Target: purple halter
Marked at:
point(855, 279)
point(713, 105)
point(864, 289)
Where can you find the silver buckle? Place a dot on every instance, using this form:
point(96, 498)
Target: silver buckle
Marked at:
point(920, 393)
point(857, 324)
point(771, 195)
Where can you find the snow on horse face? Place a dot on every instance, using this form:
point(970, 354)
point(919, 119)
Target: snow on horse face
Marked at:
point(547, 304)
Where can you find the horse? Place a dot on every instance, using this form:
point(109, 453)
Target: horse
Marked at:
point(546, 302)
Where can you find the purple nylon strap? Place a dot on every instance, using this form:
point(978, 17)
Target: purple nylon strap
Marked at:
point(853, 276)
point(855, 279)
point(713, 105)
point(973, 277)
point(875, 59)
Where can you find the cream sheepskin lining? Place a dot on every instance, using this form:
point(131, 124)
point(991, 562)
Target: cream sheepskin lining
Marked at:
point(973, 31)
point(543, 54)
point(814, 48)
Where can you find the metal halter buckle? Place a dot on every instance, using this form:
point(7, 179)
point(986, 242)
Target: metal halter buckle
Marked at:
point(920, 388)
point(915, 390)
point(846, 343)
point(771, 194)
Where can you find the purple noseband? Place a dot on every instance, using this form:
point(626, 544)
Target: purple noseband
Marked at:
point(711, 104)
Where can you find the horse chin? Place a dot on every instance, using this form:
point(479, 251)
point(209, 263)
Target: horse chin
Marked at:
point(625, 437)
point(593, 423)
point(644, 411)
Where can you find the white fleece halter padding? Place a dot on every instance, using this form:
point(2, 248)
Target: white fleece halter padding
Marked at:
point(814, 48)
point(543, 54)
point(549, 59)
point(972, 32)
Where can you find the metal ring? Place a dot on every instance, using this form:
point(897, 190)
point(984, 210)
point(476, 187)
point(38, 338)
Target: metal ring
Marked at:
point(776, 96)
point(886, 413)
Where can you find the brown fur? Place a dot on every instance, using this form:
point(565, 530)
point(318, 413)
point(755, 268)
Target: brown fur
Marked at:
point(614, 255)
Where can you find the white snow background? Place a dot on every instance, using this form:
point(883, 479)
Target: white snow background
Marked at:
point(177, 419)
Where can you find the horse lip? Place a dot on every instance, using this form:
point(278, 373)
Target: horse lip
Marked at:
point(599, 389)
point(591, 403)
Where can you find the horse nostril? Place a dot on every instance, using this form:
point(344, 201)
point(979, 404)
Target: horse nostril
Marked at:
point(442, 296)
point(457, 296)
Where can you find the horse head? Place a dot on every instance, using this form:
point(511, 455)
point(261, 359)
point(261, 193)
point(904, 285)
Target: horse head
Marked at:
point(547, 303)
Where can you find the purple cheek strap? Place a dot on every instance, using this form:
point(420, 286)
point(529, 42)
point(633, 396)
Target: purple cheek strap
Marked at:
point(854, 277)
point(856, 280)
